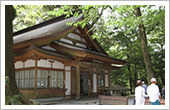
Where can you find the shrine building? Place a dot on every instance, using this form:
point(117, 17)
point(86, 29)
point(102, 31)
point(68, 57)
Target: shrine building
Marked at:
point(53, 59)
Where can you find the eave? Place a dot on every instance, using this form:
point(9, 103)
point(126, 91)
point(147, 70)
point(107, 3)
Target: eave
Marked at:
point(84, 53)
point(104, 57)
point(33, 51)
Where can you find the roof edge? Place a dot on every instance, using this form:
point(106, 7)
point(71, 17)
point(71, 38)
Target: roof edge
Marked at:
point(43, 51)
point(50, 21)
point(39, 25)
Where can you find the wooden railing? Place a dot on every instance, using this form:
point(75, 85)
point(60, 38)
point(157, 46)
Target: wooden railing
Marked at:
point(112, 100)
point(120, 100)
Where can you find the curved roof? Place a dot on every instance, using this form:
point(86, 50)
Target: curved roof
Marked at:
point(88, 53)
point(35, 51)
point(51, 31)
point(46, 30)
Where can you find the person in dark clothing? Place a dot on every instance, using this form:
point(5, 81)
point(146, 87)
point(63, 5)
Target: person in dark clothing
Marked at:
point(145, 87)
point(163, 92)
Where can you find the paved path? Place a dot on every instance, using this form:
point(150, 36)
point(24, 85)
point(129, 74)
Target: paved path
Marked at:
point(69, 101)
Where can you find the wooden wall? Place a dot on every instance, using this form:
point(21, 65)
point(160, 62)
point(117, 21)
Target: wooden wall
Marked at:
point(43, 93)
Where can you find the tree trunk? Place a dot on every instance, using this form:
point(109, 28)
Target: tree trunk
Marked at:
point(9, 58)
point(147, 59)
point(162, 76)
point(162, 62)
point(115, 78)
point(9, 52)
point(136, 75)
point(130, 74)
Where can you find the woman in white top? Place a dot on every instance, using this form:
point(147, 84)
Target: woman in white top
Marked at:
point(140, 94)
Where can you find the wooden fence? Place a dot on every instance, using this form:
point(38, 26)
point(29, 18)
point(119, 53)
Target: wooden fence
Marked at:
point(113, 100)
point(120, 100)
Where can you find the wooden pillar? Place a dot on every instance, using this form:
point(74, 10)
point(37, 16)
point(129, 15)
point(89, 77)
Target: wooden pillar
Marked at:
point(89, 85)
point(64, 80)
point(109, 79)
point(50, 74)
point(36, 72)
point(24, 63)
point(64, 77)
point(24, 72)
point(77, 81)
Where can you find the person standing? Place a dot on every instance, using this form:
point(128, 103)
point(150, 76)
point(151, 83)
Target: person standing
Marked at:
point(140, 94)
point(153, 93)
point(163, 92)
point(144, 86)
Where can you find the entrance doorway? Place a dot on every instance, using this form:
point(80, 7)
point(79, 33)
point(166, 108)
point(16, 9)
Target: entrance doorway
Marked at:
point(84, 83)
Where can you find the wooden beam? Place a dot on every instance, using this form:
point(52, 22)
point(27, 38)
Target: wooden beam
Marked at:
point(74, 32)
point(28, 54)
point(76, 41)
point(20, 49)
point(105, 58)
point(92, 40)
point(77, 81)
point(69, 63)
point(88, 39)
point(71, 51)
point(83, 35)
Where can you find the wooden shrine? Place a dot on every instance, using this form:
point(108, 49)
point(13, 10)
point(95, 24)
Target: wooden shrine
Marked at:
point(53, 59)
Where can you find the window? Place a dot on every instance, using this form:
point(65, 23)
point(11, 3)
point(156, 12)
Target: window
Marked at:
point(25, 78)
point(17, 77)
point(32, 78)
point(21, 81)
point(56, 79)
point(42, 78)
point(45, 78)
point(60, 78)
point(100, 80)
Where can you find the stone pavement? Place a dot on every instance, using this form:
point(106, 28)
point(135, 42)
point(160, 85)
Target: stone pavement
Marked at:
point(68, 101)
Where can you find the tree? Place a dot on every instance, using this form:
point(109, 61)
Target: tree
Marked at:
point(9, 59)
point(28, 15)
point(147, 58)
point(9, 53)
point(119, 34)
point(156, 41)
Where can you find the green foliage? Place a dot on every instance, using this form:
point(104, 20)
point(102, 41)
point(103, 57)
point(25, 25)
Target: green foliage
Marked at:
point(11, 99)
point(117, 32)
point(18, 99)
point(29, 15)
point(15, 100)
point(7, 80)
